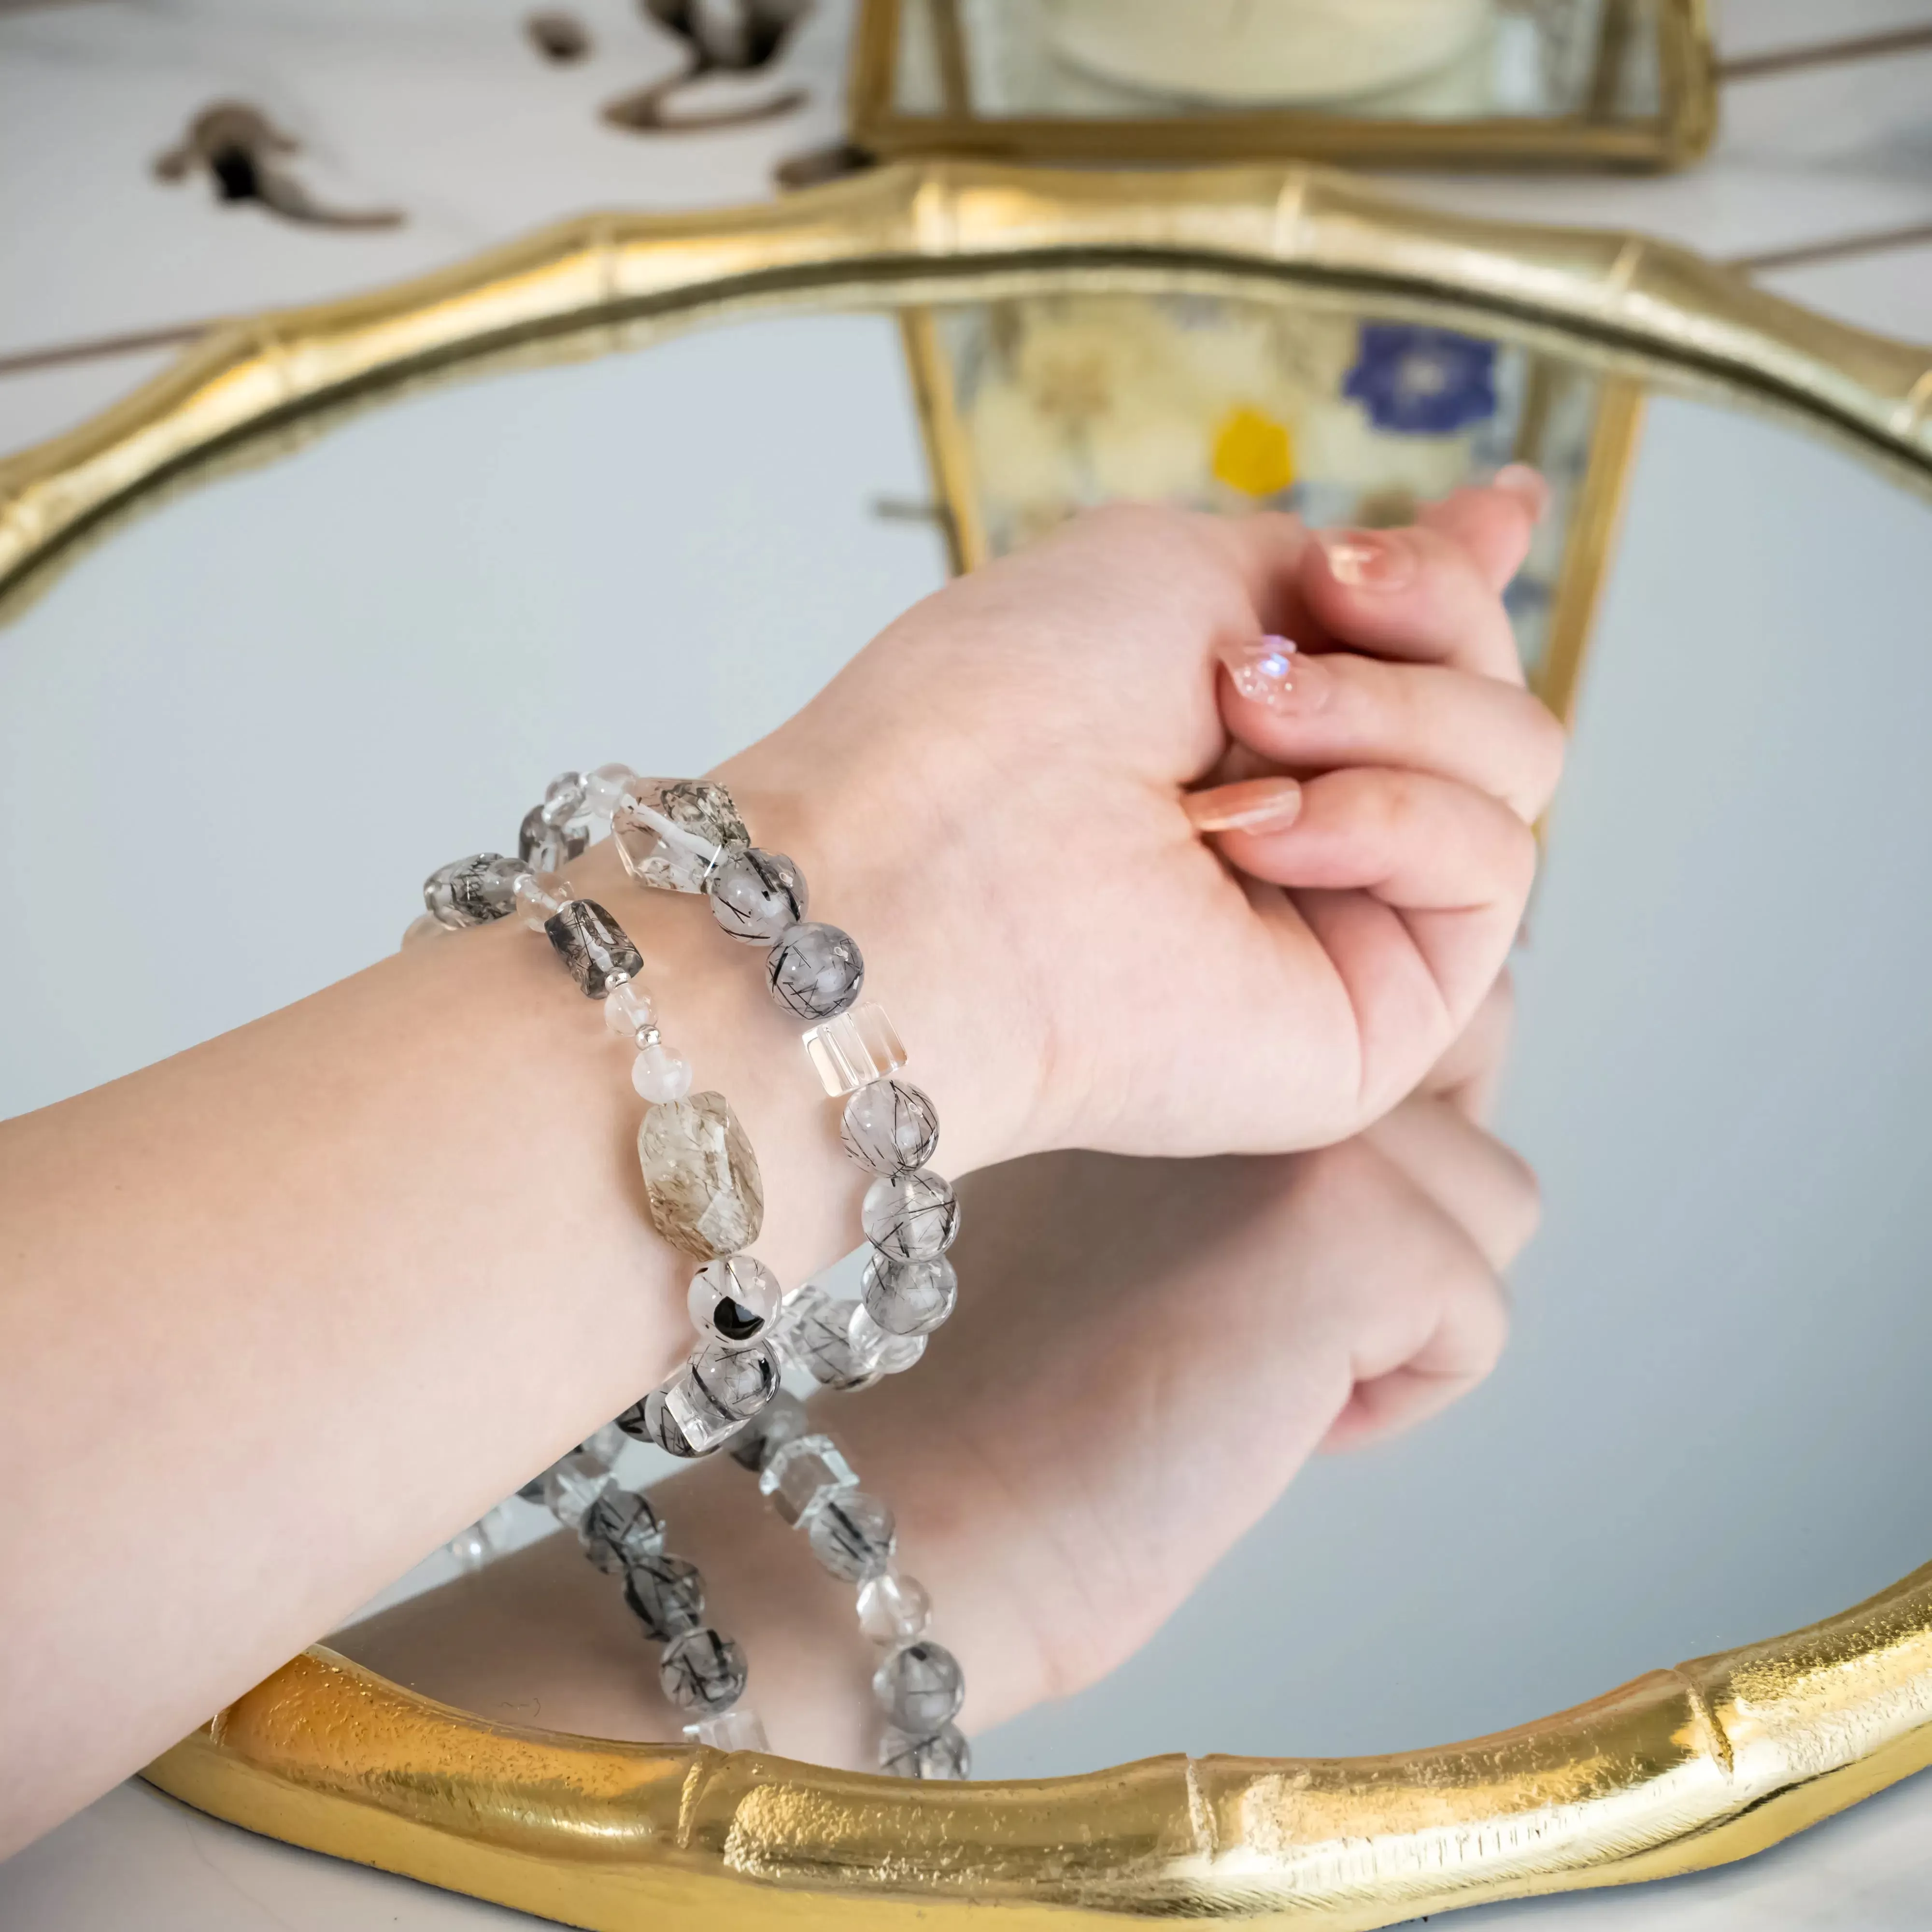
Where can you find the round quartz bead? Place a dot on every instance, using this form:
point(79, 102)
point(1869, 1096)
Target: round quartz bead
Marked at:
point(815, 971)
point(563, 799)
point(920, 1686)
point(756, 895)
point(572, 1485)
point(703, 1672)
point(606, 787)
point(619, 1529)
point(425, 926)
point(945, 1754)
point(893, 1608)
point(470, 1548)
point(538, 896)
point(890, 1126)
point(628, 1011)
point(604, 1445)
point(853, 1534)
point(660, 1075)
point(909, 1297)
point(740, 1379)
point(879, 1348)
point(650, 1421)
point(734, 1298)
point(666, 1595)
point(911, 1217)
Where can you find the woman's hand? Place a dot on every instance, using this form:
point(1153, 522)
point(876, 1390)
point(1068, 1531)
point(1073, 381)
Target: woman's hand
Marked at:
point(1149, 1352)
point(991, 798)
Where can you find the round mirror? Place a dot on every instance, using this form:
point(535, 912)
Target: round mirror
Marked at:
point(269, 705)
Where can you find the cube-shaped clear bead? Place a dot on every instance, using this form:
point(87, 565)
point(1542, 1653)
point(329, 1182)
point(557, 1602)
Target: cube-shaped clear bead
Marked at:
point(730, 1730)
point(803, 1474)
point(852, 1049)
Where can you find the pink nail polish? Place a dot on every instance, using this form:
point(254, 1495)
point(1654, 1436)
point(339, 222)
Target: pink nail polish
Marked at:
point(1256, 805)
point(1262, 669)
point(1366, 559)
point(1526, 485)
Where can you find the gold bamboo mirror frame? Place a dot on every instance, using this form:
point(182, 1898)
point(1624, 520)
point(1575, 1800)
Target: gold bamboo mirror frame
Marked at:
point(1680, 1769)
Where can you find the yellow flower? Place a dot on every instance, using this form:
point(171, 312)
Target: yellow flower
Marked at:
point(1252, 453)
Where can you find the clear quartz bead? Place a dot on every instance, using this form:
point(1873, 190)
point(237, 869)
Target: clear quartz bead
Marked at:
point(893, 1608)
point(469, 1548)
point(815, 1332)
point(425, 926)
point(718, 1388)
point(702, 1671)
point(604, 1445)
point(756, 895)
point(666, 1595)
point(815, 971)
point(890, 1126)
point(572, 1485)
point(911, 1217)
point(659, 1074)
point(628, 1010)
point(670, 833)
point(806, 1472)
point(540, 897)
point(944, 1754)
point(563, 799)
point(606, 789)
point(734, 1298)
point(909, 1297)
point(852, 1535)
point(782, 1420)
point(620, 1529)
point(473, 891)
point(729, 1731)
point(891, 1355)
point(920, 1686)
point(850, 1050)
point(707, 1196)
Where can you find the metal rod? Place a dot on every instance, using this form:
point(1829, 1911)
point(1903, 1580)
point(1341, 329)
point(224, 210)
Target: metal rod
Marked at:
point(1826, 53)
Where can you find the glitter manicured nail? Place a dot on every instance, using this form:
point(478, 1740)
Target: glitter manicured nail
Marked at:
point(1262, 669)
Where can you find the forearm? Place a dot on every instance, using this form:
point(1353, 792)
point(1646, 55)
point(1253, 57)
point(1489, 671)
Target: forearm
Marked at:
point(284, 1311)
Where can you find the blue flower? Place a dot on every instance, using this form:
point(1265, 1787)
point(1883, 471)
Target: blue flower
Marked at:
point(1422, 381)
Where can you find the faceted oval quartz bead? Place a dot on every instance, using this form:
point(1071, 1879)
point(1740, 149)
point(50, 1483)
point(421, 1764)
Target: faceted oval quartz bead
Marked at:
point(666, 1595)
point(721, 1387)
point(911, 1217)
point(706, 1196)
point(572, 1484)
point(890, 1126)
point(596, 948)
point(756, 895)
point(945, 1754)
point(620, 1529)
point(854, 1535)
point(734, 1299)
point(473, 891)
point(702, 1671)
point(893, 1608)
point(814, 971)
point(891, 1355)
point(909, 1297)
point(671, 833)
point(650, 1421)
point(920, 1686)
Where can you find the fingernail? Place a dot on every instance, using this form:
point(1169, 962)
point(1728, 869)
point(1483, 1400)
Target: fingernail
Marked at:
point(1526, 485)
point(1256, 804)
point(1367, 559)
point(1262, 669)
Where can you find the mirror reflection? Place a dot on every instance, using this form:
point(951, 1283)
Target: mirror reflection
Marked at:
point(252, 721)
